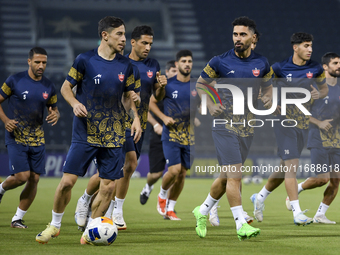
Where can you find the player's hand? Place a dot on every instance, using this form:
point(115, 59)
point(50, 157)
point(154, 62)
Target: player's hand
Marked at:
point(325, 124)
point(10, 125)
point(267, 102)
point(53, 116)
point(168, 121)
point(162, 80)
point(158, 129)
point(135, 97)
point(314, 93)
point(197, 122)
point(79, 110)
point(216, 109)
point(136, 130)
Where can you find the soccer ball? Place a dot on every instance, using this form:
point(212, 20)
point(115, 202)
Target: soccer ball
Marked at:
point(101, 231)
point(247, 179)
point(257, 179)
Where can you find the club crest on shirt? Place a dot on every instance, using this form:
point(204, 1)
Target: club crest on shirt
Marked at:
point(309, 75)
point(194, 93)
point(121, 76)
point(149, 74)
point(256, 72)
point(45, 95)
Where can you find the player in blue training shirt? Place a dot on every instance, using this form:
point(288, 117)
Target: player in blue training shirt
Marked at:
point(324, 140)
point(156, 155)
point(150, 80)
point(28, 94)
point(178, 136)
point(296, 71)
point(102, 77)
point(232, 142)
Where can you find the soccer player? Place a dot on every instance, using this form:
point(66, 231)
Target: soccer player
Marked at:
point(213, 214)
point(177, 136)
point(28, 93)
point(151, 80)
point(323, 141)
point(156, 155)
point(232, 142)
point(296, 71)
point(102, 77)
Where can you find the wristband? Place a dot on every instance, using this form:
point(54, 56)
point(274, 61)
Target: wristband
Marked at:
point(154, 126)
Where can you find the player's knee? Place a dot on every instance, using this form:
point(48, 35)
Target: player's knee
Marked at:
point(130, 167)
point(107, 189)
point(321, 181)
point(22, 177)
point(34, 178)
point(66, 184)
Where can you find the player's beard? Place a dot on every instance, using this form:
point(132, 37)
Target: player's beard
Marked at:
point(334, 73)
point(183, 72)
point(242, 49)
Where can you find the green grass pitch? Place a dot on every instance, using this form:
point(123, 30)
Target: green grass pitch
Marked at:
point(148, 233)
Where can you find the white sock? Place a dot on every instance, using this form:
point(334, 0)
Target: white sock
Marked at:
point(300, 189)
point(322, 209)
point(118, 206)
point(2, 191)
point(295, 207)
point(263, 194)
point(89, 221)
point(207, 205)
point(56, 219)
point(109, 211)
point(19, 214)
point(86, 197)
point(171, 205)
point(163, 194)
point(238, 216)
point(216, 204)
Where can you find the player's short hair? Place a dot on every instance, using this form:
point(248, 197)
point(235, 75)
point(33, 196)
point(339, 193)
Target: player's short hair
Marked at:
point(183, 53)
point(170, 64)
point(301, 37)
point(36, 50)
point(328, 57)
point(108, 23)
point(141, 30)
point(245, 21)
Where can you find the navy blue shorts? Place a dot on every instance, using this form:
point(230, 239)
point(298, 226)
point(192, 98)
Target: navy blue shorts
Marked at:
point(110, 161)
point(24, 158)
point(130, 145)
point(324, 160)
point(156, 155)
point(231, 149)
point(290, 141)
point(176, 153)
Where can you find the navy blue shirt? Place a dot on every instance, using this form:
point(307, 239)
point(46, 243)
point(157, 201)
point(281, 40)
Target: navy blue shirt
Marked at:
point(147, 71)
point(243, 73)
point(180, 103)
point(100, 86)
point(287, 74)
point(27, 100)
point(323, 109)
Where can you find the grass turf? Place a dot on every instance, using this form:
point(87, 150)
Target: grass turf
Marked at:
point(148, 233)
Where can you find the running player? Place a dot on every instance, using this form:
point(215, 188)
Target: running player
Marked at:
point(156, 156)
point(151, 80)
point(323, 141)
point(233, 141)
point(102, 77)
point(178, 136)
point(28, 93)
point(296, 71)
